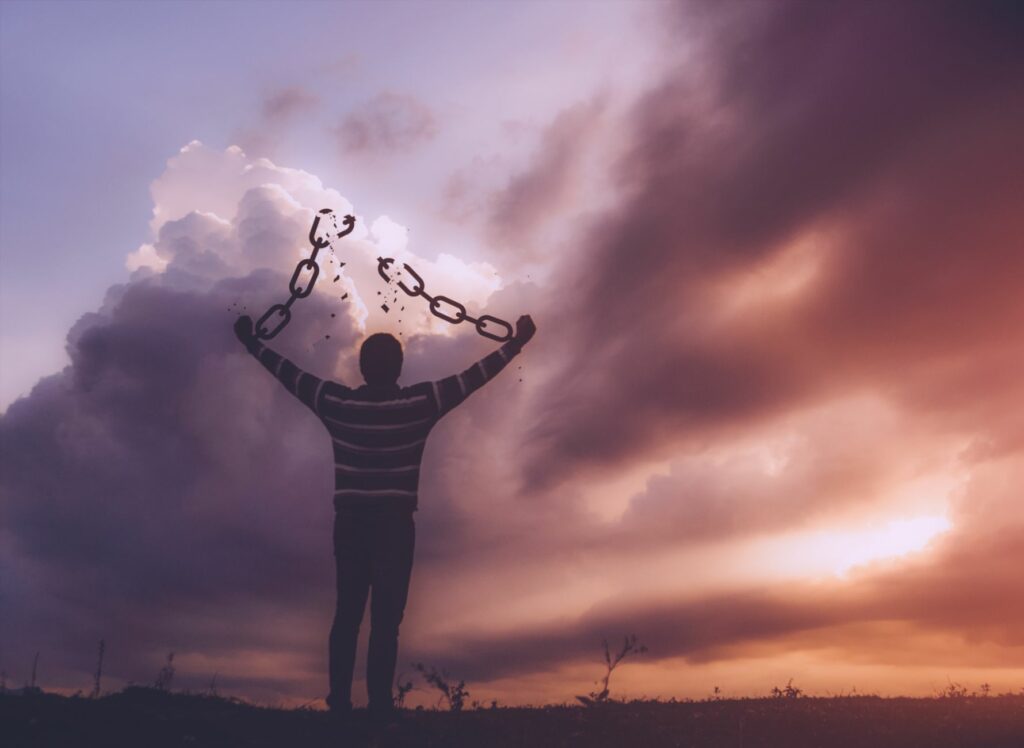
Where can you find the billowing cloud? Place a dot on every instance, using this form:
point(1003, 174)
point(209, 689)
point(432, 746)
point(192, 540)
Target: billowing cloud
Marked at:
point(162, 491)
point(796, 229)
point(836, 239)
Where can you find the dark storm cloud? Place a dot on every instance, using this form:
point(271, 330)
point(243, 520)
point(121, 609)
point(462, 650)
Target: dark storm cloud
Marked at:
point(387, 123)
point(966, 587)
point(959, 592)
point(156, 491)
point(888, 135)
point(892, 126)
point(691, 629)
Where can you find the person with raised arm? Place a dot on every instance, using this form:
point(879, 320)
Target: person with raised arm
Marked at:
point(378, 432)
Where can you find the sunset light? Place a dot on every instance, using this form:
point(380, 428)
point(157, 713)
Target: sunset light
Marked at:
point(352, 345)
point(841, 552)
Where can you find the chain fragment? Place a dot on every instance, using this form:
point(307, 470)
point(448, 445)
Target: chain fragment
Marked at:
point(319, 239)
point(481, 328)
point(456, 311)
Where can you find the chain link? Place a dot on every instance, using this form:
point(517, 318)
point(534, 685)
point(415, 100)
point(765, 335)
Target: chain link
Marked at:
point(296, 287)
point(456, 311)
point(440, 306)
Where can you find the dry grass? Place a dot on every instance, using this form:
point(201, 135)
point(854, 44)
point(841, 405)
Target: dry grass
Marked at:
point(154, 718)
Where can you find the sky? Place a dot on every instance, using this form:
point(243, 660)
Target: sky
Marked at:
point(770, 422)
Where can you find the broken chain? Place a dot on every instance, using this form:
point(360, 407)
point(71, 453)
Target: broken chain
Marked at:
point(441, 306)
point(298, 287)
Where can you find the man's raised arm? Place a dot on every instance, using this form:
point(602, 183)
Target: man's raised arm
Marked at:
point(305, 386)
point(451, 391)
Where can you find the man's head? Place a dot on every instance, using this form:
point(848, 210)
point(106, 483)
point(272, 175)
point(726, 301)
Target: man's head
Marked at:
point(380, 359)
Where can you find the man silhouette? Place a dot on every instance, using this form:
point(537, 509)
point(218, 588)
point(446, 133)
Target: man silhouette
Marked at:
point(378, 431)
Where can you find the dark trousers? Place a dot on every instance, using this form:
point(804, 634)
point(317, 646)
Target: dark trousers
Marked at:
point(373, 549)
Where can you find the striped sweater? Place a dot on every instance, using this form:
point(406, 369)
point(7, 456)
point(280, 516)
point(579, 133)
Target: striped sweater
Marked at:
point(379, 433)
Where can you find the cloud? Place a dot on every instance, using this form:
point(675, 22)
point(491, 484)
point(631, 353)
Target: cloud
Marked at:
point(387, 123)
point(281, 111)
point(961, 591)
point(527, 210)
point(897, 167)
point(680, 628)
point(164, 493)
point(550, 184)
point(837, 239)
point(286, 102)
point(147, 486)
point(199, 179)
point(797, 318)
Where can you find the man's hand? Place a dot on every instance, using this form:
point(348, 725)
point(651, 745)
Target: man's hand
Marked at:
point(243, 329)
point(524, 330)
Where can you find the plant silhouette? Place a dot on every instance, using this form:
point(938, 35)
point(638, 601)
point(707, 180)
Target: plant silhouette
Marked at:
point(630, 646)
point(166, 674)
point(452, 693)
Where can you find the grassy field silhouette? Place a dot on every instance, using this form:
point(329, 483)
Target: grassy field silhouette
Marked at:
point(145, 716)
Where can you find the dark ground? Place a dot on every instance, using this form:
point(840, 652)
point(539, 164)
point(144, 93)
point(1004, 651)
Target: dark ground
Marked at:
point(147, 718)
